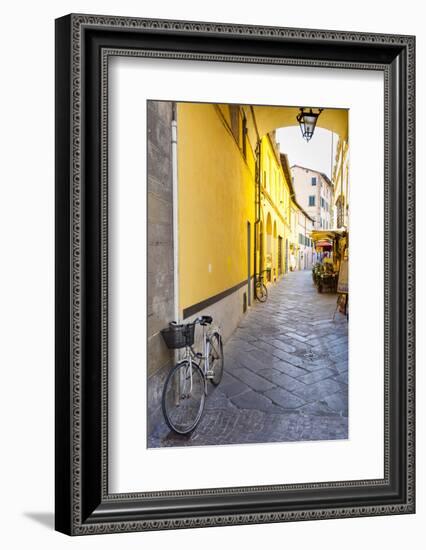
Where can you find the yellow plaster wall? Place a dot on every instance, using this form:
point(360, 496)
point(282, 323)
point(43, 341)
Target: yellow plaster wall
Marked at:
point(216, 199)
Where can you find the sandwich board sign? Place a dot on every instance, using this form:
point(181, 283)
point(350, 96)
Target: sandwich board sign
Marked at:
point(342, 283)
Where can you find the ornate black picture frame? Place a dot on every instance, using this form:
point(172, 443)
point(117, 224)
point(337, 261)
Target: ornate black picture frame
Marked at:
point(83, 45)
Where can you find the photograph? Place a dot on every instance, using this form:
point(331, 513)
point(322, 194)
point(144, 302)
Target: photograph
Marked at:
point(248, 223)
point(234, 267)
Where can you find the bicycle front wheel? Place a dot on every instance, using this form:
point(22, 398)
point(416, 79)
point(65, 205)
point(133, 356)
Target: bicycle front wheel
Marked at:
point(183, 397)
point(216, 357)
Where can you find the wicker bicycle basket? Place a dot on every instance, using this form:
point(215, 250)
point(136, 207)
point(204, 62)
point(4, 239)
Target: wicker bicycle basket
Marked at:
point(179, 336)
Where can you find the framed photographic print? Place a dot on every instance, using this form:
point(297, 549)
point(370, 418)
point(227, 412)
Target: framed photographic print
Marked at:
point(234, 274)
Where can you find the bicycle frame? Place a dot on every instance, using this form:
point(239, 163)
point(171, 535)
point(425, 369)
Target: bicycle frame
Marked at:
point(260, 277)
point(201, 359)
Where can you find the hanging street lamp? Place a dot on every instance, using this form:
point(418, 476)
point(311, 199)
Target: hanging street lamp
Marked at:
point(307, 121)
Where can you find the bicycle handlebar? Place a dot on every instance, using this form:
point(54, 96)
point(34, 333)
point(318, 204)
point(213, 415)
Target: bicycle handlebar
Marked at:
point(204, 320)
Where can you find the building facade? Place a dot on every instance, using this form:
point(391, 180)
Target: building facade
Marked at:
point(341, 186)
point(274, 224)
point(306, 252)
point(314, 193)
point(302, 250)
point(233, 211)
point(216, 163)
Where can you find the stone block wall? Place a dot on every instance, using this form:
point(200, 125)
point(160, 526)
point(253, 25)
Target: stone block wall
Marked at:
point(160, 298)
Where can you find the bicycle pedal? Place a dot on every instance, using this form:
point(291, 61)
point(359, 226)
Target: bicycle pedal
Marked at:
point(210, 374)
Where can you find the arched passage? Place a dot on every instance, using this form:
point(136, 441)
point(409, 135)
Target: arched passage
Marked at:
point(271, 118)
point(264, 120)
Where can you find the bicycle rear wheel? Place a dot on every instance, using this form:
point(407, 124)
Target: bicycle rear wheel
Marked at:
point(183, 397)
point(261, 292)
point(216, 358)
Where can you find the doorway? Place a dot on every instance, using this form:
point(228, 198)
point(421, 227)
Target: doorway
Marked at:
point(286, 255)
point(280, 255)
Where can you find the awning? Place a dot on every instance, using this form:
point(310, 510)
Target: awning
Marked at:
point(327, 234)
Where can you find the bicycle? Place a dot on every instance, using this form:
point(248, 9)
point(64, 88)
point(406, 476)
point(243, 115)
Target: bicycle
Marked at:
point(260, 289)
point(185, 389)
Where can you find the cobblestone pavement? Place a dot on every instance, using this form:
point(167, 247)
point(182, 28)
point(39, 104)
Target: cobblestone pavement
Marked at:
point(285, 375)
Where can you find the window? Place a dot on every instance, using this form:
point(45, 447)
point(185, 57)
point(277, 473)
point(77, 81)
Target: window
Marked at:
point(313, 180)
point(311, 200)
point(239, 127)
point(234, 111)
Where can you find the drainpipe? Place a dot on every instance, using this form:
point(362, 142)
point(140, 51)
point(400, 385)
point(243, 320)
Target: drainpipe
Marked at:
point(177, 315)
point(341, 185)
point(346, 196)
point(258, 172)
point(257, 209)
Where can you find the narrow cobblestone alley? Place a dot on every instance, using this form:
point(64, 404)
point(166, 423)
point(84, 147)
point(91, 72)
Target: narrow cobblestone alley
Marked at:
point(285, 377)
